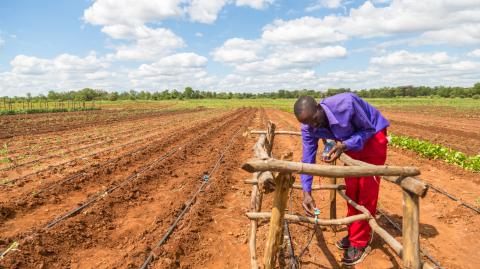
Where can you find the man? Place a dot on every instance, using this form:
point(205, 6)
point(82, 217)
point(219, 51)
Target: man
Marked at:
point(360, 131)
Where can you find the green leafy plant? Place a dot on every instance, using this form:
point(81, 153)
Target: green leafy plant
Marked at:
point(437, 152)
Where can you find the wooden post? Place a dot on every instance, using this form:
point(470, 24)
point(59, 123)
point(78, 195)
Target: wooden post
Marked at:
point(333, 199)
point(256, 206)
point(283, 182)
point(270, 137)
point(410, 232)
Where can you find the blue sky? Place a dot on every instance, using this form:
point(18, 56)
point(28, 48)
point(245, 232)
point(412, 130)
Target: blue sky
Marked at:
point(236, 45)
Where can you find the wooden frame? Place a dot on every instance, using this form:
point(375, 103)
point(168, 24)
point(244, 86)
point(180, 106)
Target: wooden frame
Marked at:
point(264, 167)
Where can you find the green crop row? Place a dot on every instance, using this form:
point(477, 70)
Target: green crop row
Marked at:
point(45, 110)
point(437, 152)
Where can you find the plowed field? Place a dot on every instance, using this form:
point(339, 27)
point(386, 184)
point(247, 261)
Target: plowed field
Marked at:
point(103, 192)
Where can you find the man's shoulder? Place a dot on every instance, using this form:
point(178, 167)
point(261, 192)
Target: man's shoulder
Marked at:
point(340, 102)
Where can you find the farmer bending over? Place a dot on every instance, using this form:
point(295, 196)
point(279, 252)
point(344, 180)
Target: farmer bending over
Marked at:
point(360, 131)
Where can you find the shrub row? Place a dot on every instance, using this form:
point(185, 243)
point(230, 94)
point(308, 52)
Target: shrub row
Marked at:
point(436, 151)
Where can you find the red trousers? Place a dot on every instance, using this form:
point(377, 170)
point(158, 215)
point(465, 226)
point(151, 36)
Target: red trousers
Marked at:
point(364, 190)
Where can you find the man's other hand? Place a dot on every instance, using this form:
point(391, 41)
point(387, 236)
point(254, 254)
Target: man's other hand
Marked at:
point(335, 152)
point(308, 204)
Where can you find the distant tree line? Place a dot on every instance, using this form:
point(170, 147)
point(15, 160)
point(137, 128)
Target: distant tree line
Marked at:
point(88, 94)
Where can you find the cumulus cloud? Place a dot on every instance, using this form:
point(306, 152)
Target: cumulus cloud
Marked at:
point(324, 4)
point(474, 53)
point(238, 50)
point(126, 12)
point(404, 57)
point(146, 43)
point(256, 4)
point(306, 30)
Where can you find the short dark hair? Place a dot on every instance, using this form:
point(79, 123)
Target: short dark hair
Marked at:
point(304, 103)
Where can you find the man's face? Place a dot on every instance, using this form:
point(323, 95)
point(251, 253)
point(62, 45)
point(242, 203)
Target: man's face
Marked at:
point(313, 119)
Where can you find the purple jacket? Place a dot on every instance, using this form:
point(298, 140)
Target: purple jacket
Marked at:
point(352, 121)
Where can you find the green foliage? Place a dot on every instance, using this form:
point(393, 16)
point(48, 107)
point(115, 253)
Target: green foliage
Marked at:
point(436, 151)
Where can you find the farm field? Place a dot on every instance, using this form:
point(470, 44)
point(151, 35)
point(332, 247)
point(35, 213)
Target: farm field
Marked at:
point(99, 189)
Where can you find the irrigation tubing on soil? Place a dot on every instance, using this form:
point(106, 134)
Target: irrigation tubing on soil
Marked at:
point(398, 228)
point(476, 209)
point(191, 201)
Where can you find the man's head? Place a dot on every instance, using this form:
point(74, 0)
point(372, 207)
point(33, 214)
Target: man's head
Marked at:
point(309, 112)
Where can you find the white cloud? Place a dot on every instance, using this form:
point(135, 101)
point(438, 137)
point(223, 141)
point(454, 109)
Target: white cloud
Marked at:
point(467, 34)
point(127, 12)
point(237, 50)
point(474, 53)
point(306, 30)
point(147, 43)
point(405, 17)
point(205, 11)
point(256, 4)
point(404, 57)
point(28, 65)
point(324, 4)
point(177, 71)
point(2, 42)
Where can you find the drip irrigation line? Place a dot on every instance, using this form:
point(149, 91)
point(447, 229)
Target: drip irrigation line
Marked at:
point(469, 206)
point(192, 200)
point(399, 228)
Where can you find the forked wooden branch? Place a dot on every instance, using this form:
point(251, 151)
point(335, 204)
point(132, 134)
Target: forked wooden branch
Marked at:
point(257, 165)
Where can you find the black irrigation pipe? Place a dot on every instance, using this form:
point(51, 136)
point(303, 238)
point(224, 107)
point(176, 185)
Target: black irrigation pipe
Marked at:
point(399, 228)
point(192, 200)
point(469, 206)
point(123, 183)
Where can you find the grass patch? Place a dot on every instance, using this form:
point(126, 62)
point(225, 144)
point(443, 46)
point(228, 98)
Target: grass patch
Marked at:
point(437, 152)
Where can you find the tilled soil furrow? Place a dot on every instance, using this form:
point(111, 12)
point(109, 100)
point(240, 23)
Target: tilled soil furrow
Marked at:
point(59, 198)
point(115, 217)
point(53, 122)
point(67, 140)
point(78, 164)
point(111, 138)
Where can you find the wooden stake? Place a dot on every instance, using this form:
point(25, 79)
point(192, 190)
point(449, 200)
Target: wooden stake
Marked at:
point(270, 137)
point(283, 182)
point(410, 233)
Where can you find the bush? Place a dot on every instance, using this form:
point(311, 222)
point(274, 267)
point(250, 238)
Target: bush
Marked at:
point(476, 96)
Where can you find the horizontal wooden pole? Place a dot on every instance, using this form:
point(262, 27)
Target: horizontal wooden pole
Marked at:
point(256, 165)
point(298, 218)
point(277, 132)
point(408, 183)
point(299, 186)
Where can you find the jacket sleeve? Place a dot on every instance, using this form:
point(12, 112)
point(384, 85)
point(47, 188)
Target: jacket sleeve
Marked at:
point(309, 154)
point(364, 128)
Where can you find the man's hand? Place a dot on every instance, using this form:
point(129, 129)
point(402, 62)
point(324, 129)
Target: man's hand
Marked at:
point(335, 152)
point(308, 204)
